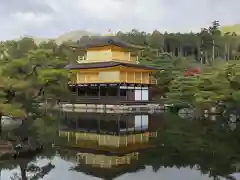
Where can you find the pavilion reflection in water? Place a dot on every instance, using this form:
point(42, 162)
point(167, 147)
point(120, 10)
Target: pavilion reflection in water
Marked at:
point(108, 145)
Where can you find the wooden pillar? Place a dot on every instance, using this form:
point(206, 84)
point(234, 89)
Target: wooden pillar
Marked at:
point(118, 124)
point(77, 91)
point(76, 123)
point(118, 92)
point(74, 93)
point(107, 88)
point(134, 77)
point(126, 125)
point(141, 81)
point(0, 127)
point(68, 135)
point(126, 98)
point(99, 91)
point(66, 118)
point(149, 93)
point(85, 92)
point(99, 124)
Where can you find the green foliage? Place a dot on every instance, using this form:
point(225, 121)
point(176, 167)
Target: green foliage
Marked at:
point(183, 89)
point(29, 72)
point(232, 28)
point(172, 67)
point(214, 87)
point(204, 47)
point(12, 109)
point(207, 144)
point(219, 82)
point(45, 128)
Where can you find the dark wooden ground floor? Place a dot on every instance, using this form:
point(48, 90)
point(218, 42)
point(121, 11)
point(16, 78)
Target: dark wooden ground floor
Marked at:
point(111, 93)
point(109, 124)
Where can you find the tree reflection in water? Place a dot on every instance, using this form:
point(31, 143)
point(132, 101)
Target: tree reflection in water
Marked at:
point(39, 130)
point(212, 147)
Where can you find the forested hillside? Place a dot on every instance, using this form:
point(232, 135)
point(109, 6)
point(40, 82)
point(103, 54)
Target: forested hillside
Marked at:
point(208, 44)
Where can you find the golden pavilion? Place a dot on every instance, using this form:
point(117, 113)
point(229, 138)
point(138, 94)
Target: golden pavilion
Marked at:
point(108, 71)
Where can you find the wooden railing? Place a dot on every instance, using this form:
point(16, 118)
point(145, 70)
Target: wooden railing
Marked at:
point(122, 79)
point(154, 81)
point(133, 59)
point(82, 59)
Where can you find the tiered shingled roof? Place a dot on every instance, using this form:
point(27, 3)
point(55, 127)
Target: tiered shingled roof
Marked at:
point(105, 41)
point(107, 64)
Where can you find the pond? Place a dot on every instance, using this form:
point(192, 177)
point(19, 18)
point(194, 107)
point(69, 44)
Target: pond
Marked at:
point(127, 147)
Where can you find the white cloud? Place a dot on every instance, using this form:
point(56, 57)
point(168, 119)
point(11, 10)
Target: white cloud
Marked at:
point(54, 17)
point(104, 9)
point(31, 18)
point(116, 9)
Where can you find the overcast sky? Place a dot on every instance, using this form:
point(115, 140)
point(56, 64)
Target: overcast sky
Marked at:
point(51, 18)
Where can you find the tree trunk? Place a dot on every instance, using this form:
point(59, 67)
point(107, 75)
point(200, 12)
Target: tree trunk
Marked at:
point(205, 57)
point(0, 125)
point(229, 52)
point(180, 51)
point(23, 172)
point(213, 51)
point(199, 55)
point(225, 51)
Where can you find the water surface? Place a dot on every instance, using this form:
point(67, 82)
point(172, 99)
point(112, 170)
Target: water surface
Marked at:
point(129, 147)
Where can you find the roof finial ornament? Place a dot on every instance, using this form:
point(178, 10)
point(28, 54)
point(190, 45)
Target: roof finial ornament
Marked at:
point(109, 33)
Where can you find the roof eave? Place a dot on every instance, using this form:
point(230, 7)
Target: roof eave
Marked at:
point(132, 47)
point(72, 67)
